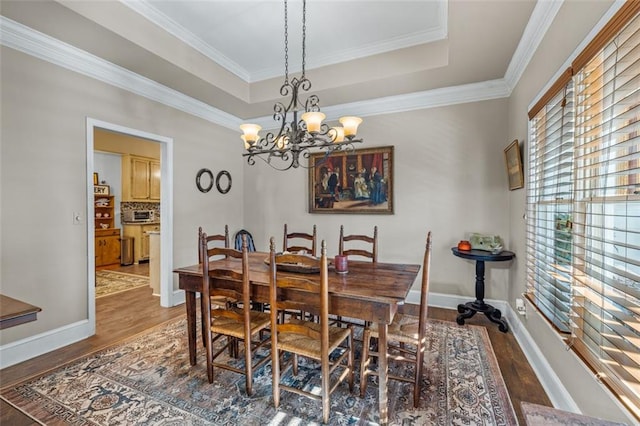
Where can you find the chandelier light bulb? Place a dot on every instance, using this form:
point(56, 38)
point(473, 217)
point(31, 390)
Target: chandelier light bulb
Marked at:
point(337, 134)
point(313, 120)
point(350, 125)
point(250, 132)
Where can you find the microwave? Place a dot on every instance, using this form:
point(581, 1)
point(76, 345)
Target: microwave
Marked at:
point(138, 216)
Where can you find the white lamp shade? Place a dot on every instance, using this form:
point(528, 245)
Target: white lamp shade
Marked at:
point(250, 132)
point(313, 120)
point(350, 125)
point(337, 133)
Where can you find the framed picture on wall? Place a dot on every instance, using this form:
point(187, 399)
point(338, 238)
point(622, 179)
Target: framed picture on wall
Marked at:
point(355, 181)
point(95, 179)
point(514, 165)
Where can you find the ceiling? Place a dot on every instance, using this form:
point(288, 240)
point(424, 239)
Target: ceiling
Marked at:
point(230, 54)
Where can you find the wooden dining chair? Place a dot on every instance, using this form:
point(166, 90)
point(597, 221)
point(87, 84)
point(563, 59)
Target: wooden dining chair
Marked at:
point(356, 247)
point(406, 337)
point(236, 323)
point(360, 241)
point(213, 241)
point(331, 347)
point(296, 246)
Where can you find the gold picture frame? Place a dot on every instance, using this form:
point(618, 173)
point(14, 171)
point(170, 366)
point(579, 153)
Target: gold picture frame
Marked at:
point(513, 162)
point(95, 178)
point(358, 181)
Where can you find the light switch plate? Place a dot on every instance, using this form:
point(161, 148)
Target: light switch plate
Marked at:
point(77, 218)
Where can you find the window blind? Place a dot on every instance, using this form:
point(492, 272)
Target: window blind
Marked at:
point(605, 314)
point(549, 207)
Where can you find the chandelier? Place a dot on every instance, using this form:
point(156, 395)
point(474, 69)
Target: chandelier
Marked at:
point(306, 131)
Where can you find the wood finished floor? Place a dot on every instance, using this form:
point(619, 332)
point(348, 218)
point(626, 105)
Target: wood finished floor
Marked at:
point(129, 313)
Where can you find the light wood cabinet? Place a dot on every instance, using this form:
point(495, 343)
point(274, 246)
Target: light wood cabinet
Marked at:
point(107, 247)
point(140, 178)
point(140, 239)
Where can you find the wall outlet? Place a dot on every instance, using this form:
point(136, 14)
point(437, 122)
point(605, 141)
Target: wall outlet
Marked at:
point(520, 306)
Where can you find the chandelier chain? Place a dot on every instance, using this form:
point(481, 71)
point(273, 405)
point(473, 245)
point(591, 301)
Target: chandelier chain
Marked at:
point(286, 45)
point(304, 35)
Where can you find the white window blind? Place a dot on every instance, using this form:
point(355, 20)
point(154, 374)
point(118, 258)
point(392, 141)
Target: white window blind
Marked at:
point(549, 207)
point(605, 314)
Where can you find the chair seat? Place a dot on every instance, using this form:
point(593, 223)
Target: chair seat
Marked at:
point(235, 328)
point(404, 328)
point(309, 346)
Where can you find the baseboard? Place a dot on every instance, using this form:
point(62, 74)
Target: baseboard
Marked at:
point(552, 385)
point(33, 346)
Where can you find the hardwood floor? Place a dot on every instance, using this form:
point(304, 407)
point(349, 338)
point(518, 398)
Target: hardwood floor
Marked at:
point(126, 314)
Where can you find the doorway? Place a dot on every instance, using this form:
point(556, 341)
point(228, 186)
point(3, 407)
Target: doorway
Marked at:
point(167, 296)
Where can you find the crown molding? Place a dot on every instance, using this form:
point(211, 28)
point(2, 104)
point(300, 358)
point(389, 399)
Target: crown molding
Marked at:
point(146, 10)
point(46, 48)
point(541, 19)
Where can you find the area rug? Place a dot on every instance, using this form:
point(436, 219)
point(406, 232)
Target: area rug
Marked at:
point(111, 282)
point(148, 380)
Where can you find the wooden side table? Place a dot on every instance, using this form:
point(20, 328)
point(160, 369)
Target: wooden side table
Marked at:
point(469, 309)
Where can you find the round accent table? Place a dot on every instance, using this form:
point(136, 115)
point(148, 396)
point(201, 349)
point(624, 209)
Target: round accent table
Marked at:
point(469, 309)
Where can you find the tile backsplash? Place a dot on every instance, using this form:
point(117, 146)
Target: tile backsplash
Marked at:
point(141, 205)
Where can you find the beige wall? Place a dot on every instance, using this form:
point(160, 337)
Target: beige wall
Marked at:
point(44, 167)
point(571, 26)
point(451, 180)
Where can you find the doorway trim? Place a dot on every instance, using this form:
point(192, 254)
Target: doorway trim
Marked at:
point(167, 295)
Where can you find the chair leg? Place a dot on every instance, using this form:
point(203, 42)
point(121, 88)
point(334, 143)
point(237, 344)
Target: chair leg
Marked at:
point(209, 351)
point(248, 367)
point(295, 364)
point(364, 363)
point(419, 367)
point(326, 395)
point(203, 320)
point(275, 376)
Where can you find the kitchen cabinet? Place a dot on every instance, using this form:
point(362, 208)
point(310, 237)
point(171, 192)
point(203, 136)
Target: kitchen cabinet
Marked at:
point(107, 247)
point(140, 178)
point(139, 233)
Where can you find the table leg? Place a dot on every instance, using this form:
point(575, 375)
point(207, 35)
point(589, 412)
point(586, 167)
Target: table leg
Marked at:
point(469, 309)
point(191, 324)
point(383, 370)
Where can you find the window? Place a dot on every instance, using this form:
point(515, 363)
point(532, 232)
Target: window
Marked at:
point(583, 205)
point(549, 208)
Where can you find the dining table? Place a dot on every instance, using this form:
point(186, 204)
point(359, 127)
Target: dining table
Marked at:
point(371, 292)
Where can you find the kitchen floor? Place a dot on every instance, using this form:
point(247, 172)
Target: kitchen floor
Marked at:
point(140, 269)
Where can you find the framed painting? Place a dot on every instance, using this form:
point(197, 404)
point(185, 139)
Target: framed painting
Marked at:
point(355, 181)
point(514, 165)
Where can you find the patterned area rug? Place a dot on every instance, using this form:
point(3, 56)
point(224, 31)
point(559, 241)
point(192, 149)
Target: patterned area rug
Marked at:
point(111, 282)
point(148, 380)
